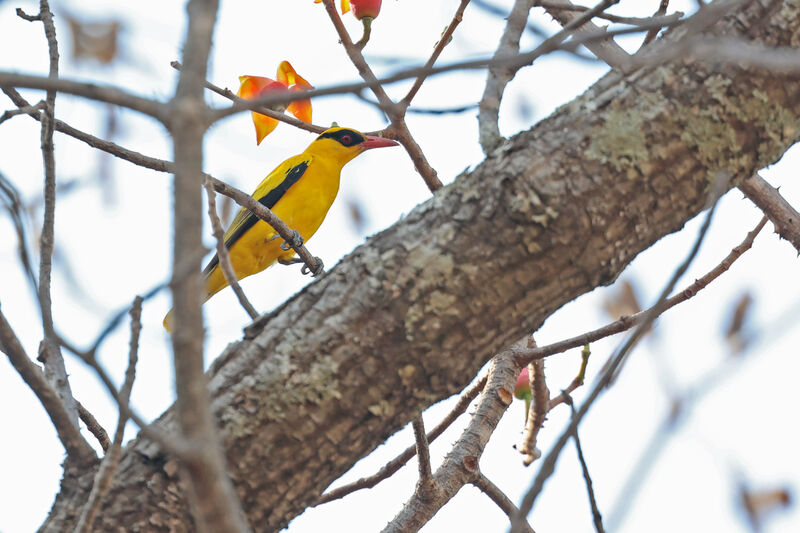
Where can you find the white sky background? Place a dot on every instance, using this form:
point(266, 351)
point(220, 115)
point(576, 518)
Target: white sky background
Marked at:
point(744, 426)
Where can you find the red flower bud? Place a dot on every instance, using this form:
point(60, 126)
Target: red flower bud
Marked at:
point(366, 8)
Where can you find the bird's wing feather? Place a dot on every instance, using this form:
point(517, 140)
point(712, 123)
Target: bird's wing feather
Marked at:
point(268, 192)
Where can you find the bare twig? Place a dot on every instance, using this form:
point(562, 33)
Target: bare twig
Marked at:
point(494, 493)
point(785, 218)
point(499, 76)
point(223, 255)
point(635, 21)
point(30, 18)
point(17, 211)
point(606, 50)
point(94, 427)
point(540, 401)
point(77, 448)
point(111, 95)
point(627, 322)
point(597, 518)
point(426, 485)
point(22, 111)
point(662, 10)
point(564, 396)
point(395, 464)
point(49, 351)
point(437, 51)
point(105, 474)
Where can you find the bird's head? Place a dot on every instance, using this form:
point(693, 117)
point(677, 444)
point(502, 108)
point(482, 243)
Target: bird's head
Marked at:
point(344, 143)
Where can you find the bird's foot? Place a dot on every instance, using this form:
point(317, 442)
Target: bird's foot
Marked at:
point(319, 268)
point(295, 242)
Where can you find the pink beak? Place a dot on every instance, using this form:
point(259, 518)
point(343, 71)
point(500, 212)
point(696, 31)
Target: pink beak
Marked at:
point(377, 142)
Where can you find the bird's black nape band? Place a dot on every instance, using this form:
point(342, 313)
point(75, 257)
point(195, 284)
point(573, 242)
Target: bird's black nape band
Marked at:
point(345, 137)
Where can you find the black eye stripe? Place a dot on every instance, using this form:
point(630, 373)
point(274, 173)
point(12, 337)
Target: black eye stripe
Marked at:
point(345, 137)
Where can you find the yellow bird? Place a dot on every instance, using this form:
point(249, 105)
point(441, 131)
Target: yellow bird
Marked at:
point(300, 192)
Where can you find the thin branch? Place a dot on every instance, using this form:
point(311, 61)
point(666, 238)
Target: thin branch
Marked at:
point(549, 462)
point(395, 464)
point(223, 255)
point(635, 21)
point(498, 77)
point(785, 218)
point(77, 448)
point(22, 111)
point(505, 69)
point(30, 18)
point(564, 396)
point(55, 371)
point(494, 493)
point(105, 474)
point(606, 50)
point(426, 486)
point(94, 427)
point(91, 91)
point(399, 130)
point(597, 518)
point(16, 209)
point(444, 40)
point(524, 356)
point(540, 402)
point(651, 35)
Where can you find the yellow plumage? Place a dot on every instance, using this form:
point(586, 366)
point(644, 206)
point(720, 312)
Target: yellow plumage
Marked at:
point(300, 192)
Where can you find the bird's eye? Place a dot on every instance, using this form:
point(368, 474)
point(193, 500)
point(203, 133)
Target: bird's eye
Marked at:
point(346, 140)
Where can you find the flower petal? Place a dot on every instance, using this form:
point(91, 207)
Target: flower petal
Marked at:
point(253, 87)
point(301, 109)
point(264, 125)
point(345, 6)
point(287, 74)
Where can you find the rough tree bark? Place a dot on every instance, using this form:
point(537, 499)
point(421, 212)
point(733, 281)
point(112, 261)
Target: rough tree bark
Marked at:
point(410, 316)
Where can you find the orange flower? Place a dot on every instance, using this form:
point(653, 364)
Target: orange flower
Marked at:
point(254, 87)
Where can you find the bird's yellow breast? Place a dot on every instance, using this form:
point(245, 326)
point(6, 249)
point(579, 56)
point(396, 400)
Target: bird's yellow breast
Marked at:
point(302, 207)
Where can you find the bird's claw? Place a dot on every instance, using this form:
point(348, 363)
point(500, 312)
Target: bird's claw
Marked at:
point(295, 242)
point(319, 268)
